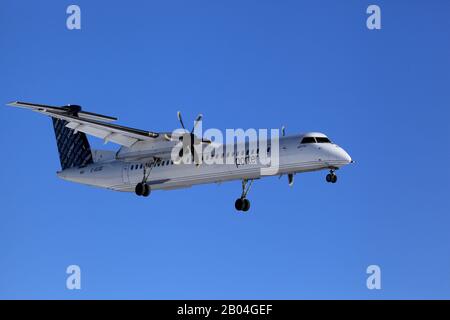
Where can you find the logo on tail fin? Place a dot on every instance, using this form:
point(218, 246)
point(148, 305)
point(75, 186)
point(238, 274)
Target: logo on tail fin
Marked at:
point(74, 149)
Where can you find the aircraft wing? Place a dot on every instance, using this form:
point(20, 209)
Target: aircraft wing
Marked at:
point(93, 124)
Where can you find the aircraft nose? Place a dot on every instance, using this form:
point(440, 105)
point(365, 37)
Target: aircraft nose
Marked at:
point(344, 156)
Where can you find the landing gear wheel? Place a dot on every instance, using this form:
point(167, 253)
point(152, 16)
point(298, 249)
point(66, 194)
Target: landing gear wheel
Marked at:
point(331, 177)
point(139, 189)
point(239, 204)
point(246, 205)
point(147, 190)
point(242, 204)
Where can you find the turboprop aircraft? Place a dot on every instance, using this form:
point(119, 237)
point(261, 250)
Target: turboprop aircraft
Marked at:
point(148, 161)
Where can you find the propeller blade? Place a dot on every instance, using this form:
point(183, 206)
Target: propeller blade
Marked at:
point(283, 131)
point(180, 119)
point(197, 120)
point(199, 117)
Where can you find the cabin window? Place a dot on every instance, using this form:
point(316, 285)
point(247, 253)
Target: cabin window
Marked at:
point(323, 140)
point(268, 149)
point(308, 140)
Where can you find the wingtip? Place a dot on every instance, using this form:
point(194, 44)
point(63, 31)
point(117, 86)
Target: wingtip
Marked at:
point(12, 103)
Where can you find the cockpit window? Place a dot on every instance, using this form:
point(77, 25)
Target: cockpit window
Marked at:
point(323, 140)
point(308, 140)
point(315, 140)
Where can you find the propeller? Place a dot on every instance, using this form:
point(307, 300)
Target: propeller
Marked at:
point(193, 139)
point(196, 121)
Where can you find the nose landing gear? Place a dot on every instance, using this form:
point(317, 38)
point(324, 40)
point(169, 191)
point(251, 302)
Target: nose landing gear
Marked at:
point(243, 204)
point(331, 177)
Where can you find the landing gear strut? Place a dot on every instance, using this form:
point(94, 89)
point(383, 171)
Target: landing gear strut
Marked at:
point(142, 188)
point(331, 177)
point(242, 203)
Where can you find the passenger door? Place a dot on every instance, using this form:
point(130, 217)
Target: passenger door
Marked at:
point(125, 173)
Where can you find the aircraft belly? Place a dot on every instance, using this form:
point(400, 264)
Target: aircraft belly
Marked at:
point(182, 176)
point(102, 175)
point(170, 177)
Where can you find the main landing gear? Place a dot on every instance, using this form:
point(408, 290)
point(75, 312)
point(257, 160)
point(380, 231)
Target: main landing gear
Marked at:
point(331, 177)
point(143, 188)
point(243, 204)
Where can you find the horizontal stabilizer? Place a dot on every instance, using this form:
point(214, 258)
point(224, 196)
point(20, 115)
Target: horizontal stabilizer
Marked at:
point(65, 109)
point(93, 124)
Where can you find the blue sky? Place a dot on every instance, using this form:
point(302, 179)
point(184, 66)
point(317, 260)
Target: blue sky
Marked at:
point(309, 65)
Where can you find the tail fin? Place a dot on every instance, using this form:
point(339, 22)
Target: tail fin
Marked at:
point(74, 149)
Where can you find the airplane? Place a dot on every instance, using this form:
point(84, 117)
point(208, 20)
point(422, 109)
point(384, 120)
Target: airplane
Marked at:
point(144, 162)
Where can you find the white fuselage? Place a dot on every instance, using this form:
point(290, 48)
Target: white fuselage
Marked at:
point(123, 175)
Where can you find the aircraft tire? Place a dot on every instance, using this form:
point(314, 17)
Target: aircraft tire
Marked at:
point(239, 204)
point(139, 189)
point(246, 205)
point(333, 178)
point(146, 190)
